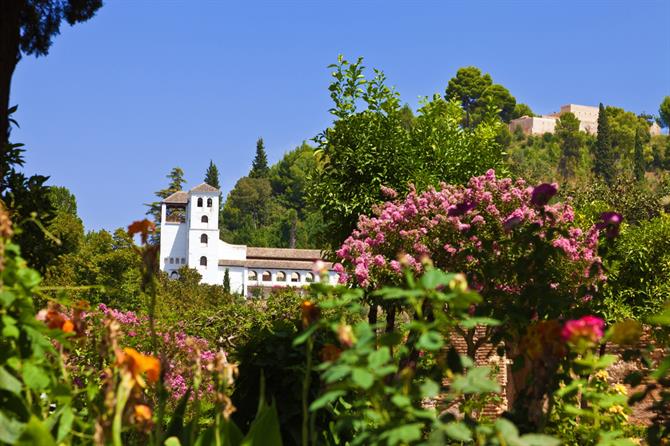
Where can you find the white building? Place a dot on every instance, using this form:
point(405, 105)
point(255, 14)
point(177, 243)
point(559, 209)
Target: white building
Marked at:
point(190, 237)
point(539, 125)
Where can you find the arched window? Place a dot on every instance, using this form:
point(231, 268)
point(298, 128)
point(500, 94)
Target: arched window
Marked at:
point(203, 261)
point(309, 277)
point(199, 202)
point(252, 276)
point(203, 239)
point(209, 202)
point(267, 276)
point(204, 219)
point(174, 275)
point(295, 277)
point(281, 276)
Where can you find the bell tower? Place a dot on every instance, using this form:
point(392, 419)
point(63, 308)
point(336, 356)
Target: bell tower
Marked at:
point(203, 231)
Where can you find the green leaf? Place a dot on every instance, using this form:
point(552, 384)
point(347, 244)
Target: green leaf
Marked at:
point(35, 434)
point(172, 441)
point(362, 378)
point(176, 426)
point(9, 382)
point(472, 322)
point(434, 278)
point(400, 400)
point(457, 431)
point(65, 424)
point(7, 298)
point(264, 430)
point(326, 399)
point(476, 381)
point(429, 389)
point(540, 440)
point(403, 434)
point(302, 337)
point(379, 358)
point(34, 377)
point(605, 361)
point(430, 341)
point(10, 429)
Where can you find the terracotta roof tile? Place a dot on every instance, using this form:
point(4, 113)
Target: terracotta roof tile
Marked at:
point(204, 187)
point(179, 197)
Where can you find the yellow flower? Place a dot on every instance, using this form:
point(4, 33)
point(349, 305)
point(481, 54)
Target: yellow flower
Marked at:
point(602, 375)
point(142, 413)
point(620, 389)
point(617, 409)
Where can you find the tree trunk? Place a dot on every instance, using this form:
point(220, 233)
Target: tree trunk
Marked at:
point(9, 57)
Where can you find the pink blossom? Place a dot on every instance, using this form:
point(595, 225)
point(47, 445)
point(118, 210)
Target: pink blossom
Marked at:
point(588, 328)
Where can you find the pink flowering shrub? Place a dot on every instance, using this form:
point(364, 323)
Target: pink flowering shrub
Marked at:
point(587, 329)
point(525, 256)
point(182, 353)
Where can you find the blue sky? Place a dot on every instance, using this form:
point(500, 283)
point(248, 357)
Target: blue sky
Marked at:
point(148, 85)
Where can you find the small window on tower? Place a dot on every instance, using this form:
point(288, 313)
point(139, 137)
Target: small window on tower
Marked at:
point(203, 261)
point(203, 239)
point(204, 219)
point(209, 202)
point(171, 260)
point(183, 260)
point(199, 202)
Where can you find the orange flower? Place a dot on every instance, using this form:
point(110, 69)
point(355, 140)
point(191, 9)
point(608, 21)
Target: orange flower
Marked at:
point(310, 313)
point(142, 413)
point(142, 227)
point(137, 363)
point(68, 326)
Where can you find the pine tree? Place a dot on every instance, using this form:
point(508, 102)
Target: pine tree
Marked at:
point(639, 156)
point(176, 177)
point(212, 175)
point(567, 132)
point(259, 167)
point(604, 159)
point(226, 281)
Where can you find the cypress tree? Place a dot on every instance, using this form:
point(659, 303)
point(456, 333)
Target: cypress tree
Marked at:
point(259, 166)
point(603, 164)
point(639, 156)
point(212, 175)
point(226, 281)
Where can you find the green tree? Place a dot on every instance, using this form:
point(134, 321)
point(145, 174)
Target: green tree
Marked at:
point(27, 27)
point(567, 132)
point(522, 110)
point(639, 163)
point(248, 204)
point(176, 177)
point(499, 97)
point(66, 225)
point(212, 175)
point(226, 281)
point(259, 166)
point(371, 148)
point(604, 157)
point(467, 88)
point(664, 112)
point(478, 96)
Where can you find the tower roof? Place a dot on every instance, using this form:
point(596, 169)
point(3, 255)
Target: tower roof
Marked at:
point(179, 197)
point(204, 187)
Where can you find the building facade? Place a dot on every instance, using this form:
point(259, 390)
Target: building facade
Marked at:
point(190, 237)
point(539, 125)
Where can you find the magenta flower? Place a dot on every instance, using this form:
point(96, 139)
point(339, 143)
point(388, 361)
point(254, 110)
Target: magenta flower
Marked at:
point(610, 222)
point(587, 328)
point(461, 208)
point(543, 193)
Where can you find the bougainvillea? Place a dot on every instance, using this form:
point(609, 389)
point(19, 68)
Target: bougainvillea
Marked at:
point(524, 255)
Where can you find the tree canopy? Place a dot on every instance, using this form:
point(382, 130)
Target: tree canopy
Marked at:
point(259, 166)
point(28, 27)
